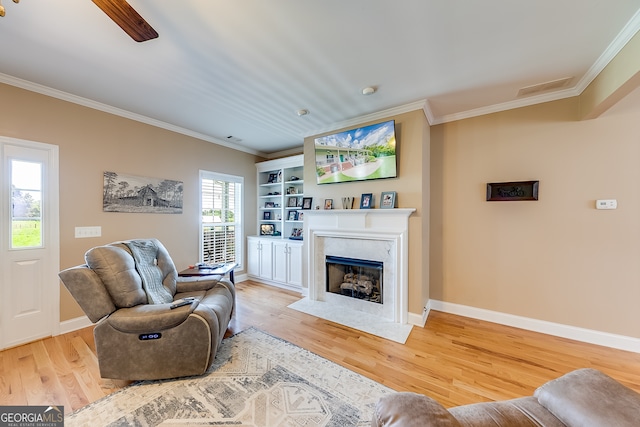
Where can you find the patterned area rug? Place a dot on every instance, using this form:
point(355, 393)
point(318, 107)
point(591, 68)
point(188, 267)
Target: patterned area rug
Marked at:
point(256, 380)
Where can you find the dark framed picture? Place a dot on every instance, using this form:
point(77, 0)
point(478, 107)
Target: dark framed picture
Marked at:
point(306, 202)
point(267, 229)
point(366, 201)
point(328, 204)
point(292, 202)
point(269, 205)
point(293, 216)
point(273, 177)
point(512, 191)
point(296, 234)
point(388, 200)
point(266, 215)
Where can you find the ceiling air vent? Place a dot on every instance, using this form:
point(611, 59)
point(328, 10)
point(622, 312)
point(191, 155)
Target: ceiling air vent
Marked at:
point(544, 87)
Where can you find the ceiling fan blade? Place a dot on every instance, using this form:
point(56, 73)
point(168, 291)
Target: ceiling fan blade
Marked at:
point(128, 19)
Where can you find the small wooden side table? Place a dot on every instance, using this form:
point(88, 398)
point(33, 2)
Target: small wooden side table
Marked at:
point(204, 271)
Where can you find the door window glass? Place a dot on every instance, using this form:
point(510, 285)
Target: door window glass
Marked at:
point(26, 204)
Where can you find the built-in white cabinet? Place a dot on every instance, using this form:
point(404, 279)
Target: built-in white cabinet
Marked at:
point(275, 261)
point(259, 258)
point(287, 262)
point(272, 257)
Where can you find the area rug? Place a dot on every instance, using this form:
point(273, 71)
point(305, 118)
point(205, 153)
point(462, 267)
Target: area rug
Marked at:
point(256, 380)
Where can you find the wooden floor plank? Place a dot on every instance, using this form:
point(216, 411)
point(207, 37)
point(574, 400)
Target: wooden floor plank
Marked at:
point(454, 359)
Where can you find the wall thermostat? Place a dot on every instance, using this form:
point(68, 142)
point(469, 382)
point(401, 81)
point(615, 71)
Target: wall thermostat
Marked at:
point(606, 204)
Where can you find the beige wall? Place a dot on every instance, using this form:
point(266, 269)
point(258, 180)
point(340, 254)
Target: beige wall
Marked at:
point(557, 259)
point(92, 142)
point(412, 133)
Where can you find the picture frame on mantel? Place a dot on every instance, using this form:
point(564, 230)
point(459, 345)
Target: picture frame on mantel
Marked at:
point(388, 200)
point(366, 201)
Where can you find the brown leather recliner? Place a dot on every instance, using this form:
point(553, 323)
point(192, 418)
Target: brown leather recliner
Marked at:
point(585, 397)
point(127, 288)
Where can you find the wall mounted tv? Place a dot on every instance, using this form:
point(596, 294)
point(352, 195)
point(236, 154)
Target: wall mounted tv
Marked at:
point(357, 155)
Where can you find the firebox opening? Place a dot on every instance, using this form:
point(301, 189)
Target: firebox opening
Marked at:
point(356, 278)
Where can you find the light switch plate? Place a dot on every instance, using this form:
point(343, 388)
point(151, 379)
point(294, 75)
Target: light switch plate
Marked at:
point(83, 232)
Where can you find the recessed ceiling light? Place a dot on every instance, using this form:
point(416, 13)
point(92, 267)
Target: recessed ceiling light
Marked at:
point(303, 112)
point(369, 90)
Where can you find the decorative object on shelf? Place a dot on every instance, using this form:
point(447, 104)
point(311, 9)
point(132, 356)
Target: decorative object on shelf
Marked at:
point(306, 202)
point(388, 200)
point(296, 234)
point(510, 191)
point(269, 205)
point(267, 229)
point(347, 202)
point(293, 202)
point(300, 216)
point(266, 215)
point(366, 202)
point(358, 154)
point(293, 215)
point(292, 190)
point(273, 178)
point(328, 204)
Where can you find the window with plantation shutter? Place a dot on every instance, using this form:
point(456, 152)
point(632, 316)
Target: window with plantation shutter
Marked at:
point(221, 218)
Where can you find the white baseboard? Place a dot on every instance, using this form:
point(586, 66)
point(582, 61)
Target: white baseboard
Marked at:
point(74, 324)
point(606, 339)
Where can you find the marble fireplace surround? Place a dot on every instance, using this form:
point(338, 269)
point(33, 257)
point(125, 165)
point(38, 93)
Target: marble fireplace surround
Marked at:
point(376, 234)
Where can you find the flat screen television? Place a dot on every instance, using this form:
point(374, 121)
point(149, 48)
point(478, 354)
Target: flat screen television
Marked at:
point(357, 155)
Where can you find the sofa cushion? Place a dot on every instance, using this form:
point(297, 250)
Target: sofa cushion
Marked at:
point(520, 412)
point(116, 269)
point(588, 397)
point(411, 410)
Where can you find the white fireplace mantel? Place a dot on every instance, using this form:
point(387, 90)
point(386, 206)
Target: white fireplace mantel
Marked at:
point(367, 227)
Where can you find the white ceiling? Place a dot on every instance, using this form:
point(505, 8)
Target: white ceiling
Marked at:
point(243, 68)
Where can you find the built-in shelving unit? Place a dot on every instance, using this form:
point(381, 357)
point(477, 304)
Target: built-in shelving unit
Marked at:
point(280, 193)
point(273, 257)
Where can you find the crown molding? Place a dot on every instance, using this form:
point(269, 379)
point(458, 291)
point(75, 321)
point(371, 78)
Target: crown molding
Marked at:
point(378, 115)
point(64, 96)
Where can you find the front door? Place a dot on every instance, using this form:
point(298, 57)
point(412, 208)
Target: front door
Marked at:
point(29, 242)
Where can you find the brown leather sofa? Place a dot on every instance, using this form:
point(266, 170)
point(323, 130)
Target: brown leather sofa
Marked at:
point(127, 288)
point(585, 398)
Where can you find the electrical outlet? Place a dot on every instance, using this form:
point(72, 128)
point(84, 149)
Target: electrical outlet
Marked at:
point(84, 232)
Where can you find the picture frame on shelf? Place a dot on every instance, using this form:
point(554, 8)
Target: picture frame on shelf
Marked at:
point(273, 178)
point(292, 202)
point(267, 229)
point(296, 234)
point(266, 215)
point(292, 190)
point(328, 204)
point(388, 200)
point(269, 205)
point(306, 203)
point(293, 215)
point(366, 201)
point(300, 216)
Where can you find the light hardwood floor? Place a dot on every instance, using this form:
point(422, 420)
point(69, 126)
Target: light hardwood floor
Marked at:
point(453, 359)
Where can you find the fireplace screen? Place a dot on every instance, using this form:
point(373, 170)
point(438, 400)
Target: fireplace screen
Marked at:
point(356, 278)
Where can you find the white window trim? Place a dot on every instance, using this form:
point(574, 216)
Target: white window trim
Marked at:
point(238, 213)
